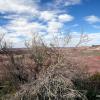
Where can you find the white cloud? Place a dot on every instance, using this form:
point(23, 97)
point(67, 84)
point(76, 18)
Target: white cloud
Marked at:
point(54, 26)
point(65, 18)
point(21, 12)
point(68, 2)
point(16, 6)
point(92, 19)
point(47, 15)
point(21, 28)
point(72, 2)
point(2, 30)
point(24, 27)
point(94, 38)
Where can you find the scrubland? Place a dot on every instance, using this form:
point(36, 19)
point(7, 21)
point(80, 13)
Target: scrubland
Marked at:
point(42, 72)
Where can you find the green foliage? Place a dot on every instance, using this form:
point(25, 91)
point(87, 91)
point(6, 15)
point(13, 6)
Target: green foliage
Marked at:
point(7, 87)
point(91, 85)
point(95, 77)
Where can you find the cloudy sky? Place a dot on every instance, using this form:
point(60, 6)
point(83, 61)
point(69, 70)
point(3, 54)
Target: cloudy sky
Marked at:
point(20, 19)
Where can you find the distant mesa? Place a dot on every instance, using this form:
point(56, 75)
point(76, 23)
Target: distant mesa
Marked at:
point(95, 45)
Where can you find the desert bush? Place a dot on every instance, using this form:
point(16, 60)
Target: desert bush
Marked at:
point(46, 54)
point(91, 85)
point(95, 77)
point(14, 69)
point(54, 84)
point(41, 54)
point(94, 88)
point(54, 72)
point(7, 87)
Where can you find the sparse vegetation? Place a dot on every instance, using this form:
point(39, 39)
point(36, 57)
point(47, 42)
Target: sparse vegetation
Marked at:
point(46, 72)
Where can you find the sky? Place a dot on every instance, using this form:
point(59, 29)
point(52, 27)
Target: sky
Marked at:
point(21, 19)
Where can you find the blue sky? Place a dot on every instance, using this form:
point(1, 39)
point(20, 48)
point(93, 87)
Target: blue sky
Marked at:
point(20, 19)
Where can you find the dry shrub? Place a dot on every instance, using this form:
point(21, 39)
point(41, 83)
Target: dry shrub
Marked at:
point(54, 84)
point(54, 73)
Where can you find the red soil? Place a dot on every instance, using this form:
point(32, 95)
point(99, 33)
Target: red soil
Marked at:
point(93, 63)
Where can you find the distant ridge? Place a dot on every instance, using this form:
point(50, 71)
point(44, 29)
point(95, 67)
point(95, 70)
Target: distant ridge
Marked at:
point(95, 45)
point(14, 51)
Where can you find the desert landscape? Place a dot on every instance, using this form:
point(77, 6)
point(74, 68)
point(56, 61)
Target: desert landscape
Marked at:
point(88, 55)
point(49, 50)
point(79, 64)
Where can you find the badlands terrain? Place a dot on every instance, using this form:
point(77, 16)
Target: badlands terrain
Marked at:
point(90, 56)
